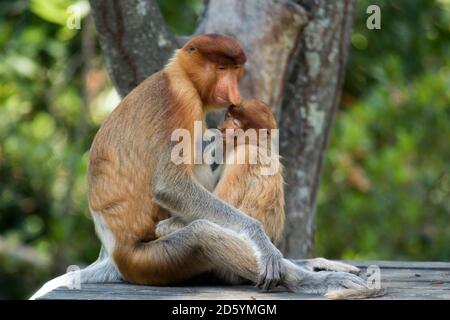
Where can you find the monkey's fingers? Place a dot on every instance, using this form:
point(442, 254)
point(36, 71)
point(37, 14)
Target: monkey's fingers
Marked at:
point(344, 280)
point(271, 274)
point(319, 264)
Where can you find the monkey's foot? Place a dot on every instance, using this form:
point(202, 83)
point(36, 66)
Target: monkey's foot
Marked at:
point(324, 282)
point(321, 264)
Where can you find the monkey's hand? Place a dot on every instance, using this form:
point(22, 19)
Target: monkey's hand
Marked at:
point(270, 260)
point(169, 225)
point(270, 266)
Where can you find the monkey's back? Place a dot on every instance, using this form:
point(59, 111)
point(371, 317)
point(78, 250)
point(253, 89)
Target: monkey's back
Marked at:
point(121, 164)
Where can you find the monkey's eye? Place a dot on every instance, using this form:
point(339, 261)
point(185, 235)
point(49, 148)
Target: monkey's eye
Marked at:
point(237, 66)
point(221, 67)
point(191, 49)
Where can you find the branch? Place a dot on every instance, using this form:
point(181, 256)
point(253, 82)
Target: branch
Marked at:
point(134, 38)
point(311, 98)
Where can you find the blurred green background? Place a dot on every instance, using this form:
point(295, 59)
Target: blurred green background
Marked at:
point(385, 191)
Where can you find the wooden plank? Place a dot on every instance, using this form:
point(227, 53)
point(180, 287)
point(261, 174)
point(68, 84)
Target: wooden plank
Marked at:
point(403, 280)
point(126, 291)
point(408, 294)
point(427, 265)
point(415, 285)
point(413, 275)
point(214, 293)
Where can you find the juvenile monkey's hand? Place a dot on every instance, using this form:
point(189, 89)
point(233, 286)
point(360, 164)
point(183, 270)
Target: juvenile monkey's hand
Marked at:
point(169, 225)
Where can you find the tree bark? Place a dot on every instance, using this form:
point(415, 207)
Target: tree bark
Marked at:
point(299, 74)
point(310, 101)
point(134, 38)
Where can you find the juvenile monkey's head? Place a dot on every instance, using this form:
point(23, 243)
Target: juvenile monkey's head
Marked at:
point(215, 64)
point(250, 114)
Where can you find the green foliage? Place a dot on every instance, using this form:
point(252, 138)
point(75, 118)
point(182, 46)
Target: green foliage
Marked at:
point(386, 182)
point(43, 205)
point(181, 15)
point(385, 191)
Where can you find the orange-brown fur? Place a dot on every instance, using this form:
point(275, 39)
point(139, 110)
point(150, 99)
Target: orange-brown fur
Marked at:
point(127, 148)
point(243, 185)
point(132, 178)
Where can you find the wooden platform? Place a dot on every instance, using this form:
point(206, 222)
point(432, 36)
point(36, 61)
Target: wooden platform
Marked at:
point(403, 280)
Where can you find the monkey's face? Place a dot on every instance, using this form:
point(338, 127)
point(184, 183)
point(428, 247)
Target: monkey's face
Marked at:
point(214, 64)
point(229, 125)
point(226, 91)
point(251, 114)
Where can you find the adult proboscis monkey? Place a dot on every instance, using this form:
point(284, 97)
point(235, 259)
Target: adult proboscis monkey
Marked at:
point(133, 184)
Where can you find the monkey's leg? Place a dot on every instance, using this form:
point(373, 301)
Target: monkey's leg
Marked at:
point(321, 264)
point(205, 246)
point(199, 247)
point(187, 198)
point(172, 224)
point(230, 252)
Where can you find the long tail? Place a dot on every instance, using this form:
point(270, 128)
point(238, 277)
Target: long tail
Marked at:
point(101, 271)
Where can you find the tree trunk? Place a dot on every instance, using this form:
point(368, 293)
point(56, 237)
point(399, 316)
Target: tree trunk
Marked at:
point(134, 38)
point(299, 74)
point(310, 101)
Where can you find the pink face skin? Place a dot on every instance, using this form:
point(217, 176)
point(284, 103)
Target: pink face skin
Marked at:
point(226, 91)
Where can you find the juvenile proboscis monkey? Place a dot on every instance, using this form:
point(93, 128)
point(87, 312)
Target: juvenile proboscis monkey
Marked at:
point(257, 193)
point(133, 184)
point(243, 183)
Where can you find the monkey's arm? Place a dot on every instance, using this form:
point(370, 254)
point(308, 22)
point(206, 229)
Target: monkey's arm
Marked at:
point(187, 198)
point(177, 190)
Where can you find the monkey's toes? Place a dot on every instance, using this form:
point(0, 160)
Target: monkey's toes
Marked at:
point(344, 280)
point(344, 267)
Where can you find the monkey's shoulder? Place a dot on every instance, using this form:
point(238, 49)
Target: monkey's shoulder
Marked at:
point(152, 91)
point(138, 114)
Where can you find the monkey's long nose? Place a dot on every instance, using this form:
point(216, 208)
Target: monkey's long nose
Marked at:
point(233, 93)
